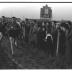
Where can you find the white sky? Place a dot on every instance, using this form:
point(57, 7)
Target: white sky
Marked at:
point(32, 10)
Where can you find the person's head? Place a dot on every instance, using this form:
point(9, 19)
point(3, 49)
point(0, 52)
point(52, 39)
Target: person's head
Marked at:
point(57, 25)
point(3, 18)
point(43, 24)
point(53, 24)
point(65, 25)
point(47, 24)
point(70, 23)
point(13, 19)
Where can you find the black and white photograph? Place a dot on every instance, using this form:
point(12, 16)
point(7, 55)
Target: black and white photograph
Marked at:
point(35, 35)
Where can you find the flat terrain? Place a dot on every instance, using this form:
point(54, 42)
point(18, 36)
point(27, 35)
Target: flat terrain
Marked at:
point(27, 57)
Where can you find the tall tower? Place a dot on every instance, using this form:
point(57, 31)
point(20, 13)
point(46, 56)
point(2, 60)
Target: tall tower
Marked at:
point(46, 12)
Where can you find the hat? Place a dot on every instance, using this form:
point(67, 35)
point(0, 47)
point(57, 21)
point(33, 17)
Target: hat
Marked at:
point(65, 25)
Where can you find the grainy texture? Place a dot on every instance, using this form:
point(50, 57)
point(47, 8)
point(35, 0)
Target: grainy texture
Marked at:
point(27, 57)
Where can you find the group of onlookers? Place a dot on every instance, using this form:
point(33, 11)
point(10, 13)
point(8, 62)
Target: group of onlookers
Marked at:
point(53, 37)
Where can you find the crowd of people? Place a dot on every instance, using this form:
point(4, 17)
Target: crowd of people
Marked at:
point(54, 37)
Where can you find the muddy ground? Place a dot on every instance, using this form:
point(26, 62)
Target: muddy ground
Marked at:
point(27, 57)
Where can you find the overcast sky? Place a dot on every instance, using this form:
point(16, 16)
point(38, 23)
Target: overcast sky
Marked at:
point(32, 10)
